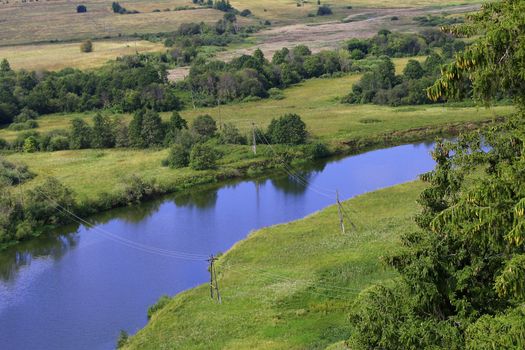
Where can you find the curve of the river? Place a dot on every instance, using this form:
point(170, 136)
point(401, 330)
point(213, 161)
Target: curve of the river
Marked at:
point(78, 288)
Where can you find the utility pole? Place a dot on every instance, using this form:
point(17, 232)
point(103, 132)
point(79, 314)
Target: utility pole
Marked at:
point(254, 146)
point(214, 284)
point(340, 209)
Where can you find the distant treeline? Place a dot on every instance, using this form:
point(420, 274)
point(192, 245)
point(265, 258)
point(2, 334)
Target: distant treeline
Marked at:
point(254, 76)
point(128, 85)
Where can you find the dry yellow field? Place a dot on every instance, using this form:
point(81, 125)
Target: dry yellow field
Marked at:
point(46, 20)
point(288, 9)
point(58, 56)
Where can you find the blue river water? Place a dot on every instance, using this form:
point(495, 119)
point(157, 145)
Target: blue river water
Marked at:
point(77, 288)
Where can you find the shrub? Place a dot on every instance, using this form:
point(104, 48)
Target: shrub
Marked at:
point(136, 189)
point(203, 157)
point(288, 129)
point(324, 10)
point(276, 94)
point(30, 144)
point(86, 46)
point(231, 135)
point(122, 339)
point(12, 173)
point(319, 150)
point(28, 124)
point(163, 301)
point(245, 13)
point(25, 115)
point(204, 125)
point(81, 9)
point(178, 157)
point(58, 143)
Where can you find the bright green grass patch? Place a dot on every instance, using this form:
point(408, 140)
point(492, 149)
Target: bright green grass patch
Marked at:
point(290, 286)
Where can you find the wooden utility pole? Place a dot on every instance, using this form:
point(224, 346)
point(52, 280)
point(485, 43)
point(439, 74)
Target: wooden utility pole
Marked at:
point(214, 284)
point(340, 209)
point(254, 146)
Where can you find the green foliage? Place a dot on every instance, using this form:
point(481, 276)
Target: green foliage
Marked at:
point(122, 339)
point(30, 145)
point(288, 129)
point(137, 189)
point(103, 135)
point(174, 126)
point(152, 133)
point(12, 173)
point(81, 134)
point(204, 125)
point(463, 271)
point(229, 134)
point(178, 157)
point(504, 331)
point(163, 301)
point(203, 157)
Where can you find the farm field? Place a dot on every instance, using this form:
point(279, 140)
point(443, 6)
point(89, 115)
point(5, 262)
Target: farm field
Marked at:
point(279, 284)
point(46, 21)
point(63, 55)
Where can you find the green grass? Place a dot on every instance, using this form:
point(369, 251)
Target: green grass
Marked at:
point(290, 286)
point(63, 55)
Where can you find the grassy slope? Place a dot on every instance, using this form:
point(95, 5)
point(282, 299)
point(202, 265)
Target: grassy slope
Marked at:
point(63, 55)
point(279, 285)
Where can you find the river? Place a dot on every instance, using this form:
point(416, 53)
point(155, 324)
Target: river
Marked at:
point(76, 289)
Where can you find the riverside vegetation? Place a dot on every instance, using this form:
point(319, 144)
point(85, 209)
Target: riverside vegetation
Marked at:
point(454, 276)
point(136, 84)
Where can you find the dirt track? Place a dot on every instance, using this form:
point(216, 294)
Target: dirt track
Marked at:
point(329, 35)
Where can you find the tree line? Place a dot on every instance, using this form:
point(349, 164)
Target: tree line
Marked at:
point(127, 85)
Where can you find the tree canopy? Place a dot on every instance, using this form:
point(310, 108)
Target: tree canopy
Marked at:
point(462, 274)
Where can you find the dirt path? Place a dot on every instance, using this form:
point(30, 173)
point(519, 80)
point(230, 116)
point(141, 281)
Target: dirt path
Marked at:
point(363, 23)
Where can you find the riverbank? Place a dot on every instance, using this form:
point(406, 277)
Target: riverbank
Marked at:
point(106, 179)
point(290, 286)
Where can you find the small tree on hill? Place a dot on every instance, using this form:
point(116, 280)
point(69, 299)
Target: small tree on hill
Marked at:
point(86, 46)
point(204, 125)
point(203, 157)
point(103, 135)
point(288, 129)
point(179, 157)
point(80, 135)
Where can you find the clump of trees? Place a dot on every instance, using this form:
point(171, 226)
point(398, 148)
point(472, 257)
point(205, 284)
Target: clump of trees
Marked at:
point(462, 274)
point(382, 86)
point(127, 85)
point(117, 8)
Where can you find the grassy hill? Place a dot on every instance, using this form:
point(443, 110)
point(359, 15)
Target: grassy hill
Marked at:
point(279, 285)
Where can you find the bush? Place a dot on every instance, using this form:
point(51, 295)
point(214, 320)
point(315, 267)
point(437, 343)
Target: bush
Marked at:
point(81, 9)
point(30, 144)
point(25, 115)
point(28, 124)
point(231, 135)
point(86, 46)
point(203, 157)
point(318, 151)
point(204, 125)
point(13, 174)
point(288, 129)
point(178, 157)
point(245, 13)
point(163, 301)
point(58, 143)
point(276, 94)
point(324, 10)
point(136, 189)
